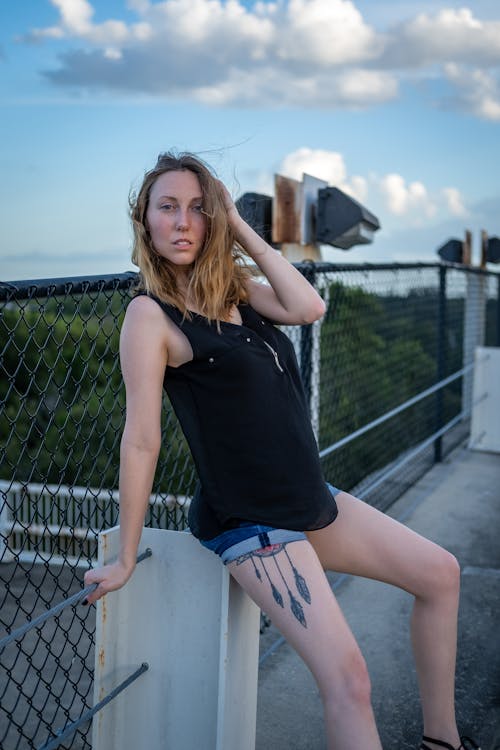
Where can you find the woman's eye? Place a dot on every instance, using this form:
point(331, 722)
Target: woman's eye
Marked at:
point(198, 208)
point(167, 206)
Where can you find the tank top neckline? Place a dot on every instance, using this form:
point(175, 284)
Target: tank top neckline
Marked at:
point(222, 322)
point(204, 317)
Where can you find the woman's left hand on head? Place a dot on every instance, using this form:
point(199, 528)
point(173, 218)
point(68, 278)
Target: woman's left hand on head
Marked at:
point(232, 212)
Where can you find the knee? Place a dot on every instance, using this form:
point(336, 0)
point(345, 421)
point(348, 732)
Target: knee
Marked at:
point(357, 683)
point(445, 574)
point(350, 685)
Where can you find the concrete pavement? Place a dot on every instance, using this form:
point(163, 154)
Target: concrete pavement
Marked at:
point(457, 504)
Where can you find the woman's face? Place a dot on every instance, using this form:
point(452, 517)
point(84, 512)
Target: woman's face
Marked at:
point(175, 217)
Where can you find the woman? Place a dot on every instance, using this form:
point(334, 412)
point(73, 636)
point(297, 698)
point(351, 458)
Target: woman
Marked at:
point(202, 327)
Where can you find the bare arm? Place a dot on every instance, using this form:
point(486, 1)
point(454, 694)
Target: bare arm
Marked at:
point(143, 355)
point(290, 299)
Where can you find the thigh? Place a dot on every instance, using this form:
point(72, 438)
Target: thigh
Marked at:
point(366, 542)
point(288, 583)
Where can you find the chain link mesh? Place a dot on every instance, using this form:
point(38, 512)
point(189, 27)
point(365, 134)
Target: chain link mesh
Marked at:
point(389, 333)
point(61, 422)
point(384, 340)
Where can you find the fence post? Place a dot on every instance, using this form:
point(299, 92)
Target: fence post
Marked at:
point(498, 312)
point(441, 359)
point(183, 614)
point(310, 356)
point(474, 329)
point(306, 339)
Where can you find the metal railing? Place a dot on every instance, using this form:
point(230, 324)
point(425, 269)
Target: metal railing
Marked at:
point(35, 529)
point(17, 635)
point(388, 376)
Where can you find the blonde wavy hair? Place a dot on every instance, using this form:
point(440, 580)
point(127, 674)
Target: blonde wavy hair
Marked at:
point(219, 273)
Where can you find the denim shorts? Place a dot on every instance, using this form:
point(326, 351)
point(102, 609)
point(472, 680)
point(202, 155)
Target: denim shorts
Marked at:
point(248, 537)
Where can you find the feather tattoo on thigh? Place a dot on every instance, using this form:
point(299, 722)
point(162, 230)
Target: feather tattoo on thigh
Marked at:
point(269, 553)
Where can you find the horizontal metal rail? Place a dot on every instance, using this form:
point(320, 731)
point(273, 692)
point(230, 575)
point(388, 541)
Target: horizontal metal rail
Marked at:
point(17, 634)
point(27, 540)
point(49, 529)
point(27, 288)
point(74, 492)
point(409, 456)
point(69, 729)
point(420, 447)
point(397, 410)
point(327, 267)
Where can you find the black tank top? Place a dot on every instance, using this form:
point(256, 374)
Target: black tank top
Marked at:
point(243, 410)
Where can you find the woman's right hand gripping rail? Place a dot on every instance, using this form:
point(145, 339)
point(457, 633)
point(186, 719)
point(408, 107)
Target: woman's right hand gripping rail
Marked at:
point(143, 357)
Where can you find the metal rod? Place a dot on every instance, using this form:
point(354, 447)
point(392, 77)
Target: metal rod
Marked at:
point(420, 447)
point(412, 454)
point(16, 635)
point(29, 288)
point(441, 360)
point(306, 339)
point(71, 728)
point(323, 267)
point(392, 412)
point(498, 312)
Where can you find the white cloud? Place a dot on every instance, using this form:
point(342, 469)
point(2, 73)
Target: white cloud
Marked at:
point(327, 33)
point(76, 21)
point(271, 87)
point(454, 201)
point(454, 45)
point(210, 22)
point(326, 165)
point(390, 193)
point(321, 32)
point(476, 91)
point(402, 197)
point(112, 54)
point(50, 32)
point(450, 35)
point(363, 87)
point(293, 52)
point(76, 15)
point(357, 187)
point(305, 53)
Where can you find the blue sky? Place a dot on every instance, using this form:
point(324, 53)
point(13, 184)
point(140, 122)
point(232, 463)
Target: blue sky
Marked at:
point(396, 102)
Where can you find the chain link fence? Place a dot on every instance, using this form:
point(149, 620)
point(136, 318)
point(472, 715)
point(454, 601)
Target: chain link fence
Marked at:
point(389, 333)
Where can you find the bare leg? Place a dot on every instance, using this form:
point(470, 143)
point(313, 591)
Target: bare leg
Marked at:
point(289, 584)
point(365, 542)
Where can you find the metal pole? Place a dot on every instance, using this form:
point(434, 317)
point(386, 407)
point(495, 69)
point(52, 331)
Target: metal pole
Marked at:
point(306, 340)
point(474, 328)
point(498, 312)
point(441, 359)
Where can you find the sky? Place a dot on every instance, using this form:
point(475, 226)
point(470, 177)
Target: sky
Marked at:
point(397, 103)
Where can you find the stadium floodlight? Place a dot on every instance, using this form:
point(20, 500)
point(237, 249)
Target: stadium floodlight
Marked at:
point(307, 213)
point(342, 221)
point(452, 251)
point(256, 210)
point(493, 250)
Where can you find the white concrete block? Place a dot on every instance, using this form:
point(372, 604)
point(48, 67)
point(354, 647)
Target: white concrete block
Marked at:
point(485, 422)
point(183, 614)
